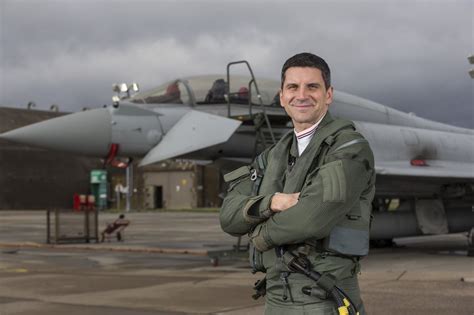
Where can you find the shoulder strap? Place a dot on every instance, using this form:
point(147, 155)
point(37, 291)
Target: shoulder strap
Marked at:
point(331, 134)
point(259, 166)
point(333, 127)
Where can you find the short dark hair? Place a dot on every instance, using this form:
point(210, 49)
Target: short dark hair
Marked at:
point(306, 59)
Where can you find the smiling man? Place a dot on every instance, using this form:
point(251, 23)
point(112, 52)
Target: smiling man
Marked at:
point(309, 196)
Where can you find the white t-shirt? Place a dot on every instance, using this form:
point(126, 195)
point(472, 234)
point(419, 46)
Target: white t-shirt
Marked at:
point(305, 136)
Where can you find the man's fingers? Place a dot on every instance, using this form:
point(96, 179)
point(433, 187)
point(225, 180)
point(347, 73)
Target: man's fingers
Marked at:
point(281, 201)
point(292, 200)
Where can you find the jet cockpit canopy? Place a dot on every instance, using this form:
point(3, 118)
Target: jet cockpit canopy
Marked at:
point(210, 89)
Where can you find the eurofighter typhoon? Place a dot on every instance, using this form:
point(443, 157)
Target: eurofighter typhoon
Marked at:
point(425, 169)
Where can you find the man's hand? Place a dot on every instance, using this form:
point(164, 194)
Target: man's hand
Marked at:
point(281, 202)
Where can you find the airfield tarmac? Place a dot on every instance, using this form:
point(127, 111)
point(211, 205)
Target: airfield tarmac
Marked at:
point(162, 267)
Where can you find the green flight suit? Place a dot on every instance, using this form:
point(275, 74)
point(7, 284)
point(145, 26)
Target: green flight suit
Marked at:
point(335, 175)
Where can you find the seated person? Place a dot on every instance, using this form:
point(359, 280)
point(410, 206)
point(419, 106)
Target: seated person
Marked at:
point(115, 227)
point(217, 92)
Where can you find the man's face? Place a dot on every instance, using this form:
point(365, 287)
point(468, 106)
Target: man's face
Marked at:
point(304, 96)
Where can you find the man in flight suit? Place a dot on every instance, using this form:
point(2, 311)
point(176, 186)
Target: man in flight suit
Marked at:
point(310, 194)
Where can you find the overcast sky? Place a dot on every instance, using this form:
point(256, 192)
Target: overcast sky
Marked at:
point(411, 55)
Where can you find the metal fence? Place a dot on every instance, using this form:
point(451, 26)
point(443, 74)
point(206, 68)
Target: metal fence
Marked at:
point(68, 226)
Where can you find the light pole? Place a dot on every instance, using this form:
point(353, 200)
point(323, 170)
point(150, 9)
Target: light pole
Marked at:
point(471, 61)
point(129, 178)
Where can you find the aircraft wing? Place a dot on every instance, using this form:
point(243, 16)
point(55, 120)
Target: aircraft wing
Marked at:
point(434, 168)
point(194, 131)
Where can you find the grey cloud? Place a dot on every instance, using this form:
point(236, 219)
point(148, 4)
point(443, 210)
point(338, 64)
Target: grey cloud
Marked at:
point(410, 55)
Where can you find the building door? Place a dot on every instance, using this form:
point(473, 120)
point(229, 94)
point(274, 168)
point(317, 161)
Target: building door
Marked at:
point(158, 203)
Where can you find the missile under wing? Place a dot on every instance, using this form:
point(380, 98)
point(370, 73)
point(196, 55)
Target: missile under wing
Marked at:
point(425, 169)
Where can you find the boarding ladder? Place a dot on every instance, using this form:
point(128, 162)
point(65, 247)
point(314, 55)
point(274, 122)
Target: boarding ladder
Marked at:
point(263, 129)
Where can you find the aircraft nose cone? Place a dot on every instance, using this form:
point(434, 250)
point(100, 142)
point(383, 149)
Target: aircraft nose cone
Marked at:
point(87, 133)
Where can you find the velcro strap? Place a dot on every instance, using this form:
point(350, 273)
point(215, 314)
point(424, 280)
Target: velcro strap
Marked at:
point(327, 282)
point(329, 140)
point(258, 239)
point(256, 184)
point(261, 162)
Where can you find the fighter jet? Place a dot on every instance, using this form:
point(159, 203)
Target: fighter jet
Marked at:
point(425, 169)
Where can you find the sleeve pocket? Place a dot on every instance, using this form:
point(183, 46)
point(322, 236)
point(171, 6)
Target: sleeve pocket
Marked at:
point(239, 180)
point(334, 182)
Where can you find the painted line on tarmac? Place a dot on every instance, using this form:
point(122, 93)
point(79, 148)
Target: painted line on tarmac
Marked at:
point(151, 250)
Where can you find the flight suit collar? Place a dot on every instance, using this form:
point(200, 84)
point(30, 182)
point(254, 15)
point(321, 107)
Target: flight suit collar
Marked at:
point(294, 145)
point(326, 120)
